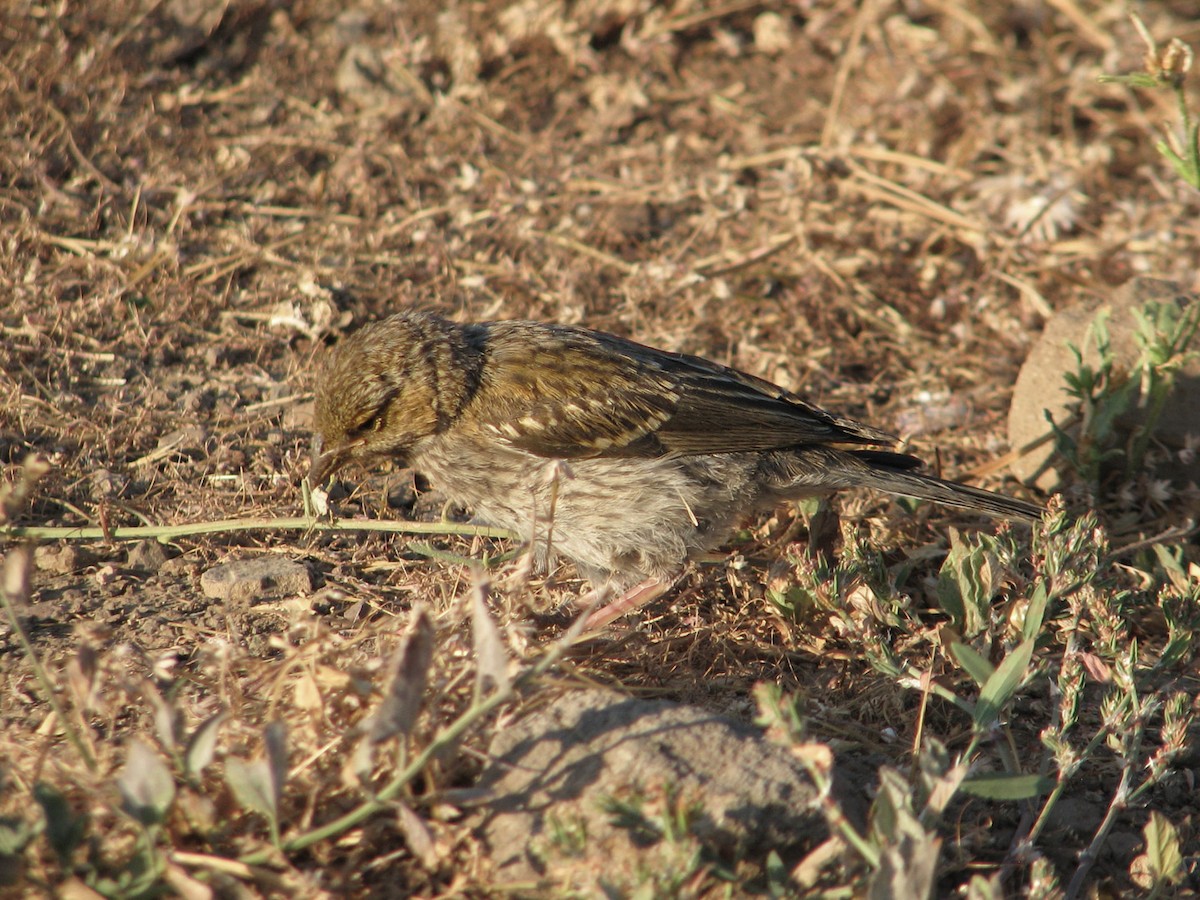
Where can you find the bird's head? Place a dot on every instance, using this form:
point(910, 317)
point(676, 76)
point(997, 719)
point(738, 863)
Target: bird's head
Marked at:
point(386, 388)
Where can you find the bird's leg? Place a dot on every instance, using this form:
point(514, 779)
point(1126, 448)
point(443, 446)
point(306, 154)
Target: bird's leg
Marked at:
point(824, 527)
point(633, 599)
point(553, 475)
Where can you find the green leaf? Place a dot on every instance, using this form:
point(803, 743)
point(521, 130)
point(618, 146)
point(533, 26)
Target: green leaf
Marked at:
point(778, 876)
point(1035, 613)
point(940, 790)
point(64, 829)
point(1162, 849)
point(1183, 619)
point(1007, 786)
point(1194, 159)
point(1137, 80)
point(252, 784)
point(1181, 166)
point(146, 784)
point(965, 586)
point(949, 595)
point(202, 745)
point(908, 852)
point(15, 834)
point(1003, 683)
point(168, 719)
point(981, 888)
point(275, 742)
point(973, 662)
point(1172, 567)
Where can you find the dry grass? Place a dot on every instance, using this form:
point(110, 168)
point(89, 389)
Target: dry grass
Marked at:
point(874, 204)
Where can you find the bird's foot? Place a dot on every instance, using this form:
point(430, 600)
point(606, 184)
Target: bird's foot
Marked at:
point(633, 599)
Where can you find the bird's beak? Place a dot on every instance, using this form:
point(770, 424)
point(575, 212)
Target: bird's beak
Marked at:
point(325, 462)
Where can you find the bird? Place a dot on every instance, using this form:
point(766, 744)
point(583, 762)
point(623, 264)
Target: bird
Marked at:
point(628, 460)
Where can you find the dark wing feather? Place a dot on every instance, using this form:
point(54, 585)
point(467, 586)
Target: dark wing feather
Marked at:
point(572, 393)
point(723, 410)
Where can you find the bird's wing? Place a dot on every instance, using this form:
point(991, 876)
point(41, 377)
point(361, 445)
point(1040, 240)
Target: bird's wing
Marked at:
point(572, 394)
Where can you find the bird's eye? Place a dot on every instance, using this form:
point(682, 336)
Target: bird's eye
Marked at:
point(366, 426)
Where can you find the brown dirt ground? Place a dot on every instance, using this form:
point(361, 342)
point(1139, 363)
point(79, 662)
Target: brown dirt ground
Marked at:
point(197, 197)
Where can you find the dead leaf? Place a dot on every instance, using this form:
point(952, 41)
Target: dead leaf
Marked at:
point(491, 657)
point(397, 713)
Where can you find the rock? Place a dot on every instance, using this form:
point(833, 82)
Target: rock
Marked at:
point(108, 485)
point(1123, 846)
point(1077, 814)
point(248, 580)
point(555, 775)
point(185, 565)
point(63, 559)
point(147, 556)
point(1041, 385)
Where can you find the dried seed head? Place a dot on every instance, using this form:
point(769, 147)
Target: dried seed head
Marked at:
point(1174, 63)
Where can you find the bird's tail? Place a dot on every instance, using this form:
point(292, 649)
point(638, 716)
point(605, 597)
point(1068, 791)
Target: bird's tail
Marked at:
point(896, 473)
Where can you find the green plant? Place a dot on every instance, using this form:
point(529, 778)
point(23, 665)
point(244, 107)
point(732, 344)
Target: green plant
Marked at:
point(1168, 69)
point(1106, 392)
point(662, 818)
point(1055, 633)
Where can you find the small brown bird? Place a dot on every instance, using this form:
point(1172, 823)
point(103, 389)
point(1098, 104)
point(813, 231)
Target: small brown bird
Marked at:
point(628, 459)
